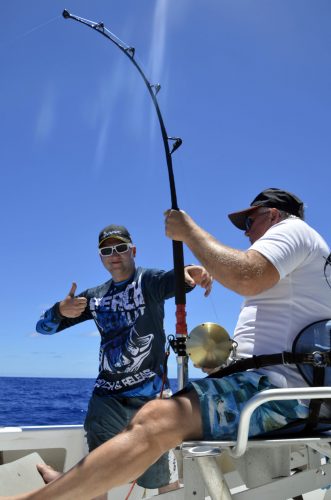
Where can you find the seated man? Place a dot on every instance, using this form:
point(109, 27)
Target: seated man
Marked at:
point(281, 277)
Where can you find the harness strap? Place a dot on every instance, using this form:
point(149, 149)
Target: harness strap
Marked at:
point(315, 404)
point(318, 359)
point(282, 358)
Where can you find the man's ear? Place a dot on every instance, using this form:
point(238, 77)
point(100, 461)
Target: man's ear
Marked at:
point(134, 251)
point(275, 215)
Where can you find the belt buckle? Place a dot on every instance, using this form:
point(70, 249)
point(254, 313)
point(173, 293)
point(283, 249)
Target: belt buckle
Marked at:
point(319, 359)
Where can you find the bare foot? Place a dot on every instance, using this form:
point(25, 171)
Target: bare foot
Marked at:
point(48, 473)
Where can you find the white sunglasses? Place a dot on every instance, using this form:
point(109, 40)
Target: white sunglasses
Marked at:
point(120, 248)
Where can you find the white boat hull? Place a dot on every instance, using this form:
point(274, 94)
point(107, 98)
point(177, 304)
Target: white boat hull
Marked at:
point(59, 446)
point(63, 446)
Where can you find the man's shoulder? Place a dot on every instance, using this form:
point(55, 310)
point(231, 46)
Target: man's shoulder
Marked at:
point(153, 275)
point(98, 289)
point(292, 236)
point(150, 271)
point(293, 227)
point(299, 229)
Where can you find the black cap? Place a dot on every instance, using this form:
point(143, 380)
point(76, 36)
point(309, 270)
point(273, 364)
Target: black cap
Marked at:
point(273, 198)
point(114, 231)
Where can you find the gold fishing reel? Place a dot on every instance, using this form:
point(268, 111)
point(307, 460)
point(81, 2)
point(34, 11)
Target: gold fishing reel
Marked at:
point(209, 345)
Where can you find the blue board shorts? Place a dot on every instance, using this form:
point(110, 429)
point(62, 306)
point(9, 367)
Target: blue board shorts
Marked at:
point(107, 416)
point(222, 399)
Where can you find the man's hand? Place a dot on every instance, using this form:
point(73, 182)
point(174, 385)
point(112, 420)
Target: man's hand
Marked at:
point(178, 225)
point(71, 306)
point(197, 275)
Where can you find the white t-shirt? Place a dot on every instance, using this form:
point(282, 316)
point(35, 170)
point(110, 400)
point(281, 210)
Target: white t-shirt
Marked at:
point(269, 321)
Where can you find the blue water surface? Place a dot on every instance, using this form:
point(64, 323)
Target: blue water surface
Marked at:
point(46, 401)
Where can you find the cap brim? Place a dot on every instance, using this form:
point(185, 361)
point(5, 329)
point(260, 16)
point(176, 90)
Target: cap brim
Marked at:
point(125, 240)
point(239, 218)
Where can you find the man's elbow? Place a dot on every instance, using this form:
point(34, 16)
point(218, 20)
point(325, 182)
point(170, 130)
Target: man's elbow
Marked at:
point(255, 286)
point(258, 276)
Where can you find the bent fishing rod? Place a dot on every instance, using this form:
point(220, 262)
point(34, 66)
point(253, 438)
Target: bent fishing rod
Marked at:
point(177, 246)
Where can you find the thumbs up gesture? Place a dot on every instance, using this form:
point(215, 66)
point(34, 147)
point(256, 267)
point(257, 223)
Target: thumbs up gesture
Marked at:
point(71, 306)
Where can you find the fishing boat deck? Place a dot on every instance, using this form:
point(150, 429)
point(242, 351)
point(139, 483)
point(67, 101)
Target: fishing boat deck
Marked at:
point(277, 468)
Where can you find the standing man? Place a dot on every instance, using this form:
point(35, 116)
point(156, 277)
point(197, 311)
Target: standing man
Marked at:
point(128, 311)
point(282, 278)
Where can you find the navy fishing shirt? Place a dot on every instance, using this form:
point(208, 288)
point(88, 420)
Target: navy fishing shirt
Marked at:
point(129, 317)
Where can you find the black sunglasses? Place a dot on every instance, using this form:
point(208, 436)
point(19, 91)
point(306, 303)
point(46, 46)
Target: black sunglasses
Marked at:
point(249, 221)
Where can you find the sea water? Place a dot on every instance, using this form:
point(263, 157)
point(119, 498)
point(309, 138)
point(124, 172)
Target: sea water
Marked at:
point(46, 401)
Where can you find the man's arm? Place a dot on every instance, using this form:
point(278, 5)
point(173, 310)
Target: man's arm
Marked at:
point(70, 311)
point(198, 275)
point(246, 273)
point(160, 285)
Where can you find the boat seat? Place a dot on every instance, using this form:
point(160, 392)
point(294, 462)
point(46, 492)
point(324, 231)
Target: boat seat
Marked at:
point(20, 475)
point(280, 465)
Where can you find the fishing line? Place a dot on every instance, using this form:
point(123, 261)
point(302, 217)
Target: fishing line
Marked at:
point(213, 307)
point(27, 33)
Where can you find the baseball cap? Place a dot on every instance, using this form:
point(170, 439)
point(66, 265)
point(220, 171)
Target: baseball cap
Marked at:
point(273, 198)
point(114, 231)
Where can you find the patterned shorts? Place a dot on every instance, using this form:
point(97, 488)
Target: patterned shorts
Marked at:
point(222, 399)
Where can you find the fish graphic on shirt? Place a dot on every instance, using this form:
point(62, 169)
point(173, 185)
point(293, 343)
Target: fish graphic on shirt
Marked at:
point(129, 356)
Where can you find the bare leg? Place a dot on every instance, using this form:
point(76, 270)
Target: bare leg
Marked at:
point(49, 474)
point(157, 427)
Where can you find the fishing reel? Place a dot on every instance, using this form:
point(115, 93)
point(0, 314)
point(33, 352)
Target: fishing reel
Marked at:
point(208, 345)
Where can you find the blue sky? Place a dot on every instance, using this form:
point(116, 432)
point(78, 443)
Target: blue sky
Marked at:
point(245, 84)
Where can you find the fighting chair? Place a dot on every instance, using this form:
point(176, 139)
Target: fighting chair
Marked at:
point(283, 464)
point(280, 465)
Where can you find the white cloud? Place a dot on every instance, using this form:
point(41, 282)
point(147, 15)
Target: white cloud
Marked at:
point(122, 83)
point(157, 52)
point(156, 56)
point(46, 114)
point(100, 113)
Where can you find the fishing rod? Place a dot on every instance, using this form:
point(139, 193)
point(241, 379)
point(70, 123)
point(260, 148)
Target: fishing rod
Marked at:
point(177, 246)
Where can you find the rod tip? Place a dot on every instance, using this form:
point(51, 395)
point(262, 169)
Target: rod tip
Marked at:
point(65, 14)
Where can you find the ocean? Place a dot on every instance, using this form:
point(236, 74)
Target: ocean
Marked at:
point(46, 401)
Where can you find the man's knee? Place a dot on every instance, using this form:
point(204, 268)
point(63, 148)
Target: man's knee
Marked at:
point(149, 413)
point(178, 416)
